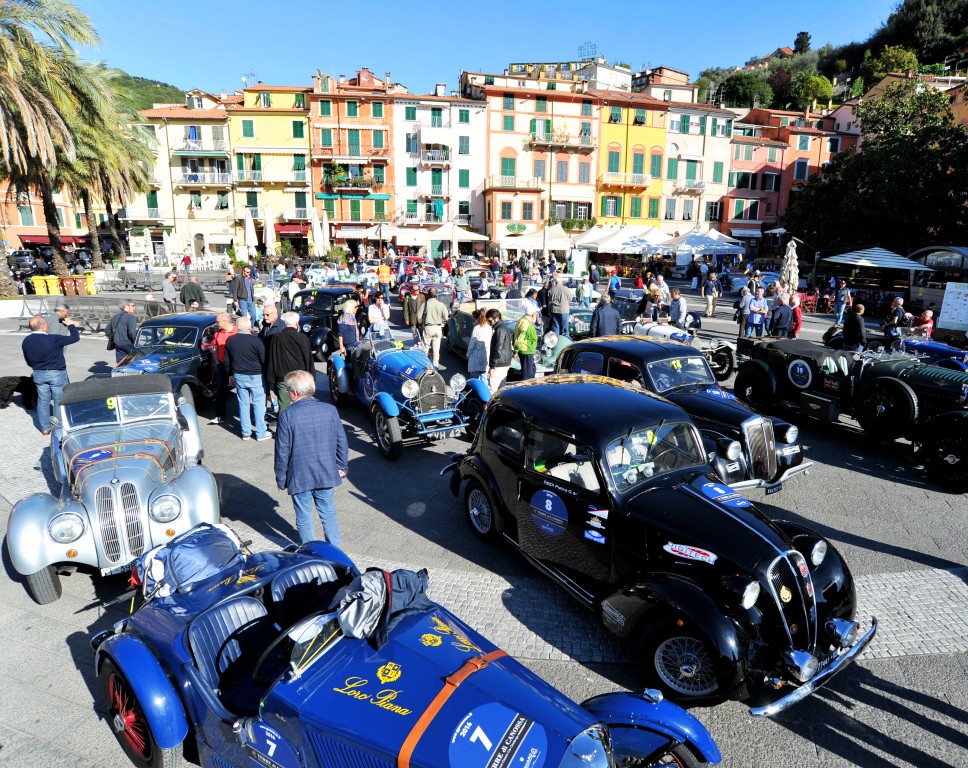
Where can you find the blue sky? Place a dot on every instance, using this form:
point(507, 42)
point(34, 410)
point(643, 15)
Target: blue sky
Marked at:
point(211, 44)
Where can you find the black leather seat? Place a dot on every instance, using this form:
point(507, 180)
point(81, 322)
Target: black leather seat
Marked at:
point(302, 590)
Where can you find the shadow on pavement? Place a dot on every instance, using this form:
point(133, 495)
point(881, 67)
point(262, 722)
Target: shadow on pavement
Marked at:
point(249, 504)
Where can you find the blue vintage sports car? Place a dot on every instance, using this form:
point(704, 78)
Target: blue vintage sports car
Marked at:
point(931, 351)
point(406, 395)
point(293, 659)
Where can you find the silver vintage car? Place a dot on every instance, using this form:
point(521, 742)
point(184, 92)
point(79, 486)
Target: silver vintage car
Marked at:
point(127, 459)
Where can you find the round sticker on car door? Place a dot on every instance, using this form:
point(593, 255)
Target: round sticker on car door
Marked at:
point(800, 374)
point(497, 737)
point(549, 513)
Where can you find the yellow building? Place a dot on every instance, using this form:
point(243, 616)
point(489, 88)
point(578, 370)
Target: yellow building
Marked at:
point(631, 156)
point(268, 132)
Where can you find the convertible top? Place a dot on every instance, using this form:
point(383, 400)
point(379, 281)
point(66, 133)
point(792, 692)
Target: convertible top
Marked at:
point(98, 389)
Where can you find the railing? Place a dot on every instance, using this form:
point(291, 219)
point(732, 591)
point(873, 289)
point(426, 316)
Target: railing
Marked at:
point(248, 175)
point(626, 179)
point(216, 145)
point(436, 190)
point(203, 178)
point(435, 156)
point(465, 219)
point(255, 213)
point(361, 183)
point(432, 123)
point(511, 182)
point(300, 175)
point(295, 213)
point(562, 140)
point(411, 217)
point(690, 185)
point(141, 214)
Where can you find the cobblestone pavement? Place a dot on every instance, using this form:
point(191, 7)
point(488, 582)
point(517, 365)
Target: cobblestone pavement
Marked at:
point(904, 703)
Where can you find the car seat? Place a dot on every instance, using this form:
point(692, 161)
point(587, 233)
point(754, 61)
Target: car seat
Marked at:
point(303, 589)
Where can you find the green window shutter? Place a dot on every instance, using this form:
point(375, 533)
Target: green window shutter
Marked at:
point(257, 162)
point(615, 115)
point(640, 117)
point(411, 206)
point(298, 129)
point(377, 109)
point(586, 109)
point(330, 207)
point(353, 140)
point(300, 102)
point(353, 110)
point(547, 127)
point(299, 162)
point(508, 166)
point(464, 178)
point(248, 129)
point(379, 174)
point(657, 166)
point(771, 155)
point(684, 123)
point(411, 177)
point(702, 125)
point(463, 116)
point(355, 210)
point(738, 209)
point(240, 162)
point(541, 104)
point(729, 128)
point(691, 167)
point(436, 177)
point(636, 208)
point(717, 173)
point(715, 126)
point(638, 163)
point(300, 199)
point(326, 137)
point(508, 122)
point(534, 125)
point(410, 113)
point(752, 181)
point(604, 199)
point(77, 221)
point(463, 145)
point(378, 139)
point(732, 179)
point(508, 102)
point(614, 158)
point(672, 173)
point(325, 108)
point(736, 151)
point(653, 207)
point(251, 199)
point(618, 206)
point(379, 206)
point(151, 198)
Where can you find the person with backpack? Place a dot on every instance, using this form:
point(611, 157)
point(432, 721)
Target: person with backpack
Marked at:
point(122, 330)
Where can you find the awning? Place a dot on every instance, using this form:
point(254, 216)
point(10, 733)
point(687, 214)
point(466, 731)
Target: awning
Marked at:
point(292, 229)
point(878, 258)
point(370, 196)
point(686, 156)
point(45, 239)
point(777, 231)
point(744, 232)
point(326, 196)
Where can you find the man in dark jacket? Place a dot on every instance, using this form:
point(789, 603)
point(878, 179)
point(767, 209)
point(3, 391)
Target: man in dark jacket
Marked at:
point(44, 353)
point(271, 325)
point(242, 293)
point(855, 331)
point(782, 318)
point(123, 329)
point(192, 292)
point(289, 351)
point(502, 350)
point(606, 321)
point(247, 356)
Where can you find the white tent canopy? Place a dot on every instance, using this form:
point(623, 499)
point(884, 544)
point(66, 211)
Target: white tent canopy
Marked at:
point(878, 258)
point(699, 243)
point(594, 235)
point(316, 233)
point(413, 236)
point(451, 232)
point(251, 241)
point(631, 239)
point(557, 240)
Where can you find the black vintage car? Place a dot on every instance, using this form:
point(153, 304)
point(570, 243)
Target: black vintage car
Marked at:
point(747, 450)
point(319, 310)
point(605, 488)
point(891, 395)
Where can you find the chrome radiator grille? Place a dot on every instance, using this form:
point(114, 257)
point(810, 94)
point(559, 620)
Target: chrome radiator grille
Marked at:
point(126, 507)
point(433, 393)
point(760, 447)
point(793, 592)
point(109, 528)
point(132, 519)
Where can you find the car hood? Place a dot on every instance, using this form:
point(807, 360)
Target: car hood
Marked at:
point(154, 360)
point(712, 403)
point(376, 697)
point(96, 454)
point(704, 523)
point(409, 362)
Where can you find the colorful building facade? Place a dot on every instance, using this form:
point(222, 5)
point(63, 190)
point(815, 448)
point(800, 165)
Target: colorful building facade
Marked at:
point(752, 201)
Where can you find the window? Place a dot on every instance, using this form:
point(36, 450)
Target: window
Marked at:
point(611, 206)
point(508, 102)
point(539, 169)
point(653, 207)
point(769, 182)
point(638, 164)
point(412, 143)
point(527, 211)
point(248, 129)
point(265, 99)
point(675, 124)
point(379, 174)
point(748, 152)
point(411, 177)
point(640, 117)
point(299, 162)
point(488, 79)
point(330, 207)
point(410, 113)
point(745, 180)
point(251, 199)
point(506, 211)
point(151, 199)
point(325, 108)
point(784, 121)
point(672, 172)
point(353, 142)
point(355, 211)
point(717, 173)
point(463, 116)
point(692, 170)
point(667, 95)
point(687, 210)
point(833, 145)
point(77, 221)
point(586, 108)
point(670, 209)
point(588, 362)
point(584, 173)
point(800, 170)
point(736, 151)
point(753, 212)
point(464, 208)
point(379, 139)
point(615, 115)
point(614, 161)
point(561, 172)
point(738, 209)
point(848, 126)
point(464, 178)
point(221, 200)
point(803, 143)
point(586, 134)
point(412, 210)
point(771, 155)
point(353, 110)
point(378, 109)
point(508, 122)
point(326, 137)
point(463, 145)
point(656, 167)
point(583, 211)
point(541, 104)
point(60, 211)
point(719, 129)
point(379, 207)
point(685, 121)
point(635, 210)
point(436, 117)
point(27, 215)
point(506, 429)
point(298, 129)
point(300, 101)
point(508, 166)
point(299, 198)
point(713, 211)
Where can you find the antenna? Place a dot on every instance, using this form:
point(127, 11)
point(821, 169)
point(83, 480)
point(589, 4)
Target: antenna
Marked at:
point(248, 77)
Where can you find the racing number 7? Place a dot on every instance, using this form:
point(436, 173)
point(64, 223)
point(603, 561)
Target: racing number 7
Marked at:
point(480, 736)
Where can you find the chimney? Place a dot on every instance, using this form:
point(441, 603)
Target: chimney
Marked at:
point(223, 95)
point(440, 89)
point(342, 79)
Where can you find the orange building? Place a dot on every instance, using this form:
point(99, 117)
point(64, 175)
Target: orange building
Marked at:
point(23, 224)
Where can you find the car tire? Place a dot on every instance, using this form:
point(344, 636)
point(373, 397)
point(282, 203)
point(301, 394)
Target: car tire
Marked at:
point(753, 386)
point(945, 455)
point(480, 512)
point(679, 662)
point(389, 438)
point(44, 586)
point(722, 360)
point(680, 755)
point(338, 398)
point(473, 412)
point(124, 710)
point(186, 392)
point(887, 408)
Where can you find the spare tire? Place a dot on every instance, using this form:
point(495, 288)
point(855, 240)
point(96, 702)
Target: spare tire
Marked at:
point(722, 360)
point(887, 408)
point(754, 386)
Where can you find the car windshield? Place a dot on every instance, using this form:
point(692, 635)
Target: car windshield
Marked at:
point(311, 639)
point(118, 410)
point(315, 302)
point(645, 454)
point(166, 336)
point(680, 372)
point(392, 340)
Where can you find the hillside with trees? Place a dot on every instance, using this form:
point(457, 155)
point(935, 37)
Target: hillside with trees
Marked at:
point(140, 93)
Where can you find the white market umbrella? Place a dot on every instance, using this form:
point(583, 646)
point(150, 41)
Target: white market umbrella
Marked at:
point(250, 240)
point(166, 242)
point(324, 226)
point(879, 258)
point(414, 236)
point(450, 231)
point(790, 269)
point(269, 232)
point(316, 233)
point(146, 234)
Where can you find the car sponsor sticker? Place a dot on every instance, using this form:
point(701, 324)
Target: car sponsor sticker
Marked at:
point(720, 393)
point(691, 553)
point(95, 454)
point(549, 513)
point(612, 616)
point(598, 538)
point(430, 640)
point(266, 747)
point(594, 522)
point(494, 736)
point(723, 494)
point(598, 512)
point(800, 374)
point(360, 689)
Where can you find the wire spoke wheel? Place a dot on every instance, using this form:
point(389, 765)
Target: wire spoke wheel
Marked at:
point(127, 718)
point(684, 664)
point(479, 511)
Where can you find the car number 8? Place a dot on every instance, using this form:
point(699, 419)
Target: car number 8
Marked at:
point(548, 505)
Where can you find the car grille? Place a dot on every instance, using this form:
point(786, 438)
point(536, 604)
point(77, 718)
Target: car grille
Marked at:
point(761, 447)
point(581, 326)
point(789, 577)
point(433, 393)
point(107, 518)
point(330, 752)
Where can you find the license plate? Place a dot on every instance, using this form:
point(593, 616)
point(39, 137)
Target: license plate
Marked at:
point(445, 433)
point(775, 489)
point(581, 327)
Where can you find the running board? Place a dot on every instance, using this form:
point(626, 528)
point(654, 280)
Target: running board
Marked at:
point(580, 594)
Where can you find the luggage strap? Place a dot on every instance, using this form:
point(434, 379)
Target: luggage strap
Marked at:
point(451, 684)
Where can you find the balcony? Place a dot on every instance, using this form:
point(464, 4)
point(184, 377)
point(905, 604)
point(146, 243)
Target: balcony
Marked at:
point(272, 176)
point(690, 185)
point(197, 178)
point(362, 184)
point(140, 213)
point(613, 179)
point(435, 157)
point(465, 219)
point(295, 214)
point(559, 139)
point(255, 213)
point(188, 147)
point(248, 175)
point(512, 182)
point(352, 155)
point(414, 218)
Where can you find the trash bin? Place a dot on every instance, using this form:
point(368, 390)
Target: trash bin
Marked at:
point(80, 285)
point(68, 286)
point(90, 280)
point(53, 284)
point(39, 283)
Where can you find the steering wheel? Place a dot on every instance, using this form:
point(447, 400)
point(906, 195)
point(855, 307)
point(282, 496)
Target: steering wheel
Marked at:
point(284, 635)
point(663, 381)
point(562, 458)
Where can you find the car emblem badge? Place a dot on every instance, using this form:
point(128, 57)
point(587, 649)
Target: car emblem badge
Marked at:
point(785, 594)
point(430, 640)
point(389, 672)
point(803, 569)
point(794, 629)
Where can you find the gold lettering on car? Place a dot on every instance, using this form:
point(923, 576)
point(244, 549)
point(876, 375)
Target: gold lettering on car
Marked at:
point(460, 641)
point(384, 699)
point(248, 575)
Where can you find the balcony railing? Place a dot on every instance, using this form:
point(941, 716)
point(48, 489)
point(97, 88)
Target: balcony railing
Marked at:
point(511, 182)
point(141, 214)
point(690, 185)
point(411, 217)
point(255, 213)
point(436, 190)
point(353, 183)
point(432, 122)
point(215, 145)
point(557, 139)
point(435, 156)
point(295, 213)
point(246, 175)
point(351, 155)
point(615, 179)
point(203, 178)
point(465, 219)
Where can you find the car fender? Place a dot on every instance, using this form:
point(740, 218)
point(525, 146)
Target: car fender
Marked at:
point(342, 377)
point(326, 551)
point(31, 549)
point(953, 364)
point(479, 388)
point(473, 467)
point(159, 702)
point(387, 403)
point(650, 722)
point(192, 435)
point(198, 485)
point(929, 427)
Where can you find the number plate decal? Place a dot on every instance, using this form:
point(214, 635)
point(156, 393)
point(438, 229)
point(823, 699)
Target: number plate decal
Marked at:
point(494, 736)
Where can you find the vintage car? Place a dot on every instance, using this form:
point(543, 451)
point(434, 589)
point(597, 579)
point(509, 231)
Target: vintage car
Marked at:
point(747, 450)
point(179, 346)
point(496, 288)
point(319, 310)
point(720, 354)
point(127, 457)
point(891, 395)
point(605, 488)
point(282, 659)
point(407, 397)
point(929, 350)
point(412, 286)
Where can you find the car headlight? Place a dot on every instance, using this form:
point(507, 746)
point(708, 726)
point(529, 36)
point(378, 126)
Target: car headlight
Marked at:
point(733, 450)
point(790, 435)
point(818, 553)
point(165, 508)
point(589, 749)
point(410, 389)
point(803, 665)
point(747, 589)
point(457, 382)
point(306, 327)
point(66, 527)
point(550, 339)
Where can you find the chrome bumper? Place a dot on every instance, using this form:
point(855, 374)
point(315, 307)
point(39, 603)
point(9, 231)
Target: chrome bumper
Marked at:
point(819, 679)
point(757, 482)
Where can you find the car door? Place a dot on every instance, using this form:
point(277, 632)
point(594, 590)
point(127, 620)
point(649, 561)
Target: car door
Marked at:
point(204, 371)
point(563, 511)
point(502, 450)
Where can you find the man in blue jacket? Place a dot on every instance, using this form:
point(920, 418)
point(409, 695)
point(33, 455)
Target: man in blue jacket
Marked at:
point(312, 457)
point(44, 354)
